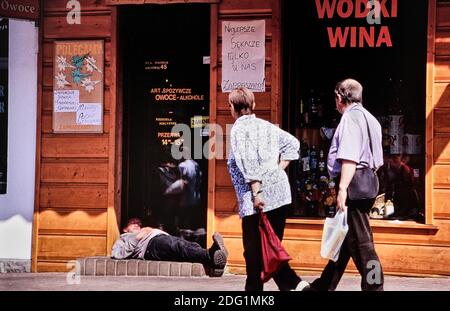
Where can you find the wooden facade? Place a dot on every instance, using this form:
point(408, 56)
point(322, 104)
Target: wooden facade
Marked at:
point(78, 177)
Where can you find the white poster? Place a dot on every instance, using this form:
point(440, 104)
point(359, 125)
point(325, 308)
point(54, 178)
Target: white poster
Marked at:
point(243, 55)
point(89, 114)
point(66, 101)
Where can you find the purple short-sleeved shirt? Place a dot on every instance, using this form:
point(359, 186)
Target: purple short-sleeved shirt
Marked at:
point(351, 140)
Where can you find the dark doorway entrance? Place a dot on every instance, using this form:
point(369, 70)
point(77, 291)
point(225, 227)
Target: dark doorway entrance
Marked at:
point(166, 82)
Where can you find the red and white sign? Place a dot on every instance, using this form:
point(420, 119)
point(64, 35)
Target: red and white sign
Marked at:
point(21, 9)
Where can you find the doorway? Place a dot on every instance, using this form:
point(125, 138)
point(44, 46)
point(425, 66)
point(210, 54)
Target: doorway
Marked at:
point(165, 82)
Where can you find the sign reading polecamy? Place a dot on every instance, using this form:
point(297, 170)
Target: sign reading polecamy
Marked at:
point(243, 55)
point(78, 86)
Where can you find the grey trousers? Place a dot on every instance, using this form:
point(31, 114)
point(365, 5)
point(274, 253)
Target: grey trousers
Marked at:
point(359, 246)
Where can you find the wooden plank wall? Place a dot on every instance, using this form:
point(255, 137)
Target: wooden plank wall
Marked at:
point(76, 184)
point(441, 111)
point(222, 199)
point(78, 178)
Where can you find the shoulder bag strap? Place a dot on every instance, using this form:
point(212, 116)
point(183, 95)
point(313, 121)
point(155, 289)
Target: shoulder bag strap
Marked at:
point(370, 137)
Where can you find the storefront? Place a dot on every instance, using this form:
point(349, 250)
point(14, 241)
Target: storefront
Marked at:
point(168, 62)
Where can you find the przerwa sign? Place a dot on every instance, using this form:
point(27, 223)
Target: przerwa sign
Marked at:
point(22, 9)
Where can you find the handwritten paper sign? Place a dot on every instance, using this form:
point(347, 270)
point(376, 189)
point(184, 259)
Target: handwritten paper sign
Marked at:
point(78, 86)
point(66, 101)
point(89, 114)
point(243, 55)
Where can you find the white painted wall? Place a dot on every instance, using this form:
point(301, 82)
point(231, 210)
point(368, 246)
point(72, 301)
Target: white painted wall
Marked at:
point(16, 207)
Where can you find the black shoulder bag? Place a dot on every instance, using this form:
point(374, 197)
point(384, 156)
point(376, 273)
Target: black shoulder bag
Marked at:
point(364, 184)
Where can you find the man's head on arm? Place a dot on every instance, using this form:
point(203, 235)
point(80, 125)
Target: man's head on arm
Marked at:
point(134, 225)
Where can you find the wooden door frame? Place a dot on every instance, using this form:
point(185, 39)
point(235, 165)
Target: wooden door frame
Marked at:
point(115, 177)
point(115, 154)
point(429, 112)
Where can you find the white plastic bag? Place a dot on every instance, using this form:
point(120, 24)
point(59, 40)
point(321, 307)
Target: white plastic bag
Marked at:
point(334, 232)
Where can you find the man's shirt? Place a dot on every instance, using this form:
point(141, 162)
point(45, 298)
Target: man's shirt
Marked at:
point(128, 246)
point(351, 140)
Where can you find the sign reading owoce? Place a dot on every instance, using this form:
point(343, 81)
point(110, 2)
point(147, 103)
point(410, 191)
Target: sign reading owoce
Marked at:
point(22, 9)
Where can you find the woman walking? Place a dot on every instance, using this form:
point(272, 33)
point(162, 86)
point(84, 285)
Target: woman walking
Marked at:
point(260, 152)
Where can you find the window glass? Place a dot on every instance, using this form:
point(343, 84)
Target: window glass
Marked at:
point(326, 41)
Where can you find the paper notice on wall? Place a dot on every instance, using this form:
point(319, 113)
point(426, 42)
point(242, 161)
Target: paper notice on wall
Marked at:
point(89, 114)
point(66, 101)
point(243, 55)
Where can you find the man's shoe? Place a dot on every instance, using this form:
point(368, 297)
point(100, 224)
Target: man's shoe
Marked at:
point(303, 286)
point(219, 244)
point(218, 254)
point(217, 266)
point(220, 259)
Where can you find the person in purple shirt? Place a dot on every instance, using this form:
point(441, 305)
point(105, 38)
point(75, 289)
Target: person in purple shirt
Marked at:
point(350, 150)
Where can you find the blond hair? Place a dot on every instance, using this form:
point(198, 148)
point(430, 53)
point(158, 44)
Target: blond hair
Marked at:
point(242, 99)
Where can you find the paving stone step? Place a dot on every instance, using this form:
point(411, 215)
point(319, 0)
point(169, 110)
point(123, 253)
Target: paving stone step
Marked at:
point(102, 266)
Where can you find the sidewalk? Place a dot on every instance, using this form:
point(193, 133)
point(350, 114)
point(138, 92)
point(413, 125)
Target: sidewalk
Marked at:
point(228, 282)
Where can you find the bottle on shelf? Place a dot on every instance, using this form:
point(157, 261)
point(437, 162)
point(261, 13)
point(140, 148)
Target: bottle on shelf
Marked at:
point(309, 205)
point(311, 200)
point(331, 200)
point(416, 177)
point(321, 165)
point(305, 158)
point(313, 159)
point(386, 137)
point(313, 108)
point(320, 110)
point(301, 198)
point(302, 115)
point(388, 208)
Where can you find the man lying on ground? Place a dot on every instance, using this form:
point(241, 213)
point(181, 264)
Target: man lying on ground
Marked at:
point(154, 244)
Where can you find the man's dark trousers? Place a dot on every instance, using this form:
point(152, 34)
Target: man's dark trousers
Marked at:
point(359, 246)
point(170, 248)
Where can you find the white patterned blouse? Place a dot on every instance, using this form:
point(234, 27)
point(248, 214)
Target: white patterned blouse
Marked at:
point(257, 146)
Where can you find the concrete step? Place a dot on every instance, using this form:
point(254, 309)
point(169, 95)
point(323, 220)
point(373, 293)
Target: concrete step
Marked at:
point(102, 266)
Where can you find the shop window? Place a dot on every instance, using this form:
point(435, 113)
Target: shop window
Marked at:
point(4, 37)
point(326, 41)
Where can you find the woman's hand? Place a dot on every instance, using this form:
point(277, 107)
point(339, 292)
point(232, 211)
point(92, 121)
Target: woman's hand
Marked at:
point(258, 203)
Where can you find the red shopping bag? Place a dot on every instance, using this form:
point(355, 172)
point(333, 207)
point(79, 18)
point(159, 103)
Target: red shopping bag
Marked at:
point(274, 256)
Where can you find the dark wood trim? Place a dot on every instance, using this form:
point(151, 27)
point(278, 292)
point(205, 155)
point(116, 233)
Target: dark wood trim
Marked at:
point(37, 178)
point(276, 91)
point(210, 217)
point(139, 2)
point(115, 142)
point(429, 112)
